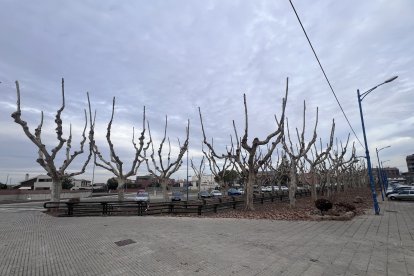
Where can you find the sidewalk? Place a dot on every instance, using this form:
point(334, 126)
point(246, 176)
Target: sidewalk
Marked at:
point(33, 243)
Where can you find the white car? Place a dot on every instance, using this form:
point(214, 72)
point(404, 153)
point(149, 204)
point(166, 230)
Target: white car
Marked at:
point(216, 193)
point(266, 188)
point(241, 190)
point(142, 196)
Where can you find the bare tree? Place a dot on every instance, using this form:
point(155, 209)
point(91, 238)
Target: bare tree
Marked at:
point(198, 172)
point(47, 159)
point(219, 165)
point(280, 170)
point(295, 155)
point(116, 165)
point(318, 158)
point(252, 163)
point(161, 171)
point(335, 160)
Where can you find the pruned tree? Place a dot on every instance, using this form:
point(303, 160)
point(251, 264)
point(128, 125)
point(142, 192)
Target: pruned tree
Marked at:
point(47, 159)
point(318, 157)
point(296, 154)
point(335, 160)
point(115, 165)
point(198, 171)
point(161, 171)
point(250, 165)
point(219, 165)
point(280, 170)
point(344, 166)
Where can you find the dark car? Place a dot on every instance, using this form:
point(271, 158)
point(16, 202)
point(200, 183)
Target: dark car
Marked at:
point(203, 194)
point(233, 192)
point(177, 196)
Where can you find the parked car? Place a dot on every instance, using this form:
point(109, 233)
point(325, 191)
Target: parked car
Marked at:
point(216, 193)
point(403, 195)
point(266, 188)
point(233, 192)
point(142, 196)
point(282, 188)
point(241, 190)
point(203, 194)
point(396, 190)
point(177, 196)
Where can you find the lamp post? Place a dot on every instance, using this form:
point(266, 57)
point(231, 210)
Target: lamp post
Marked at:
point(361, 96)
point(380, 178)
point(385, 173)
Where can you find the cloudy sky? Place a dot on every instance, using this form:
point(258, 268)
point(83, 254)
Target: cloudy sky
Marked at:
point(175, 56)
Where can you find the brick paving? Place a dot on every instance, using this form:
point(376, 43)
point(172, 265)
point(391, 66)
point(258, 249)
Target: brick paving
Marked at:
point(33, 243)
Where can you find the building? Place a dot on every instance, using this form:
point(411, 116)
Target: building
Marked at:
point(40, 182)
point(410, 163)
point(149, 180)
point(81, 184)
point(44, 182)
point(390, 172)
point(207, 182)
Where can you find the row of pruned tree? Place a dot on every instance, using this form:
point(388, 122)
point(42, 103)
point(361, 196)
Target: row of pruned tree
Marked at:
point(297, 158)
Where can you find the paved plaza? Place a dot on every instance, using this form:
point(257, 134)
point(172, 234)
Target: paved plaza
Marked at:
point(33, 243)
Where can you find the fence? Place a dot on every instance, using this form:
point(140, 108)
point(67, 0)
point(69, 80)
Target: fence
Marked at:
point(140, 208)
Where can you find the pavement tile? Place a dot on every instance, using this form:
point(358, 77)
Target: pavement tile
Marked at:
point(34, 243)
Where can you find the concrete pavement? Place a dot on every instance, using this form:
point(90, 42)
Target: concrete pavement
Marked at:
point(33, 243)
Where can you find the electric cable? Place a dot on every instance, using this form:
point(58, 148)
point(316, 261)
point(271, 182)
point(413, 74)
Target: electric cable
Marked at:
point(326, 77)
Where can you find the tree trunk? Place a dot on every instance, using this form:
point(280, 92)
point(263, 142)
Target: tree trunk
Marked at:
point(164, 184)
point(314, 193)
point(292, 187)
point(55, 189)
point(248, 204)
point(329, 184)
point(120, 189)
point(221, 185)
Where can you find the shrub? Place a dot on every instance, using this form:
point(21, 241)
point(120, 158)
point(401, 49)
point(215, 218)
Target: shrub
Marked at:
point(323, 205)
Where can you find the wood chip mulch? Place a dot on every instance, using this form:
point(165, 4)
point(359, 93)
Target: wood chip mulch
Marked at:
point(305, 208)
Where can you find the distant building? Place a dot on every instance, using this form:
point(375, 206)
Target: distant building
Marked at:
point(40, 182)
point(390, 172)
point(410, 163)
point(207, 182)
point(80, 184)
point(149, 180)
point(44, 182)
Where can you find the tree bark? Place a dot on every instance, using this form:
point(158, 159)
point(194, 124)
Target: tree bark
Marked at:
point(56, 189)
point(292, 186)
point(164, 184)
point(249, 192)
point(120, 190)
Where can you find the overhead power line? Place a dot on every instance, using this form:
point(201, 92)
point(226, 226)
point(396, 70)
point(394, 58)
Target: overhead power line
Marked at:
point(326, 77)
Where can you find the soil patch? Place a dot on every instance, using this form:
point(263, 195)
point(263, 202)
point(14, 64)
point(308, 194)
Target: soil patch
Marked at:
point(305, 208)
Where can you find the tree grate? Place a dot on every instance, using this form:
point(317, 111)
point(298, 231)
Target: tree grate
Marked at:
point(124, 242)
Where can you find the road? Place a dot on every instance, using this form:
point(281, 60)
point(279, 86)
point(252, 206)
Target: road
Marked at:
point(38, 205)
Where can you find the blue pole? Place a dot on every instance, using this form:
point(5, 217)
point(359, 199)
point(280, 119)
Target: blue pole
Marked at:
point(371, 178)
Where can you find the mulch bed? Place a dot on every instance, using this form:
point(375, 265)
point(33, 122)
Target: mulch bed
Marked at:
point(305, 208)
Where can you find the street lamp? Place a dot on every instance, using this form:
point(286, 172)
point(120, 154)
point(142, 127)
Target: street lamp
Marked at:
point(371, 179)
point(380, 178)
point(385, 173)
